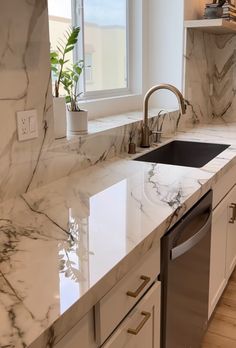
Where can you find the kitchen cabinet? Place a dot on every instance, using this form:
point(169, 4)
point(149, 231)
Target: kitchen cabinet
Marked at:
point(223, 247)
point(128, 315)
point(218, 254)
point(82, 334)
point(116, 304)
point(231, 233)
point(141, 328)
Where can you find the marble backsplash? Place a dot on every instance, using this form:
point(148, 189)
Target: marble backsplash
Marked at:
point(108, 137)
point(24, 85)
point(210, 76)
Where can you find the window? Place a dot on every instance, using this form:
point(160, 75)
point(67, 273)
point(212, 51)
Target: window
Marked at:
point(88, 68)
point(103, 41)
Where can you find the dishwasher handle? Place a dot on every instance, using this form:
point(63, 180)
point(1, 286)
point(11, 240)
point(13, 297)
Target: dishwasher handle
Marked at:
point(191, 242)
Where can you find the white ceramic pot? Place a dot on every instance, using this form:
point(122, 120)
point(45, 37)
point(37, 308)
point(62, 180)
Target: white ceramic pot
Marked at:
point(77, 122)
point(59, 111)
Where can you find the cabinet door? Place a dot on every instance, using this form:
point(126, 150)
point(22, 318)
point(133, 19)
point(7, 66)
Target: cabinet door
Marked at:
point(141, 328)
point(125, 294)
point(218, 254)
point(231, 233)
point(82, 335)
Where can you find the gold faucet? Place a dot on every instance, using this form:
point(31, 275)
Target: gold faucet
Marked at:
point(146, 132)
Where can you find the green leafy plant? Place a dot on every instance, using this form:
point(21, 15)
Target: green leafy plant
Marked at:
point(59, 58)
point(70, 82)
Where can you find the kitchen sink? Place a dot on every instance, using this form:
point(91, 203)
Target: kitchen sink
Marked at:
point(184, 153)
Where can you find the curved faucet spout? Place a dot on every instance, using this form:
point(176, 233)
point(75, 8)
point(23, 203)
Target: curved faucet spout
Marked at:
point(145, 129)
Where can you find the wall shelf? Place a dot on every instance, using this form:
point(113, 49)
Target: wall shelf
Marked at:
point(214, 26)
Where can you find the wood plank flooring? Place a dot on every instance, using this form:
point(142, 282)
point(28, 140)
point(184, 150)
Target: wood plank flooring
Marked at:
point(222, 329)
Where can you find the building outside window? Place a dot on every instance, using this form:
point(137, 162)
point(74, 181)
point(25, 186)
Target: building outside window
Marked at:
point(89, 68)
point(103, 41)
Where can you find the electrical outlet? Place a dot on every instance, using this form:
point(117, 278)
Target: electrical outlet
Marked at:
point(27, 125)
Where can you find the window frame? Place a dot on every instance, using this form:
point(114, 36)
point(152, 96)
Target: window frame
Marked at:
point(79, 53)
point(138, 71)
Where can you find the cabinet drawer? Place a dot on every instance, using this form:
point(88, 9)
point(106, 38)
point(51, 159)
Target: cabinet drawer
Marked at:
point(115, 305)
point(141, 328)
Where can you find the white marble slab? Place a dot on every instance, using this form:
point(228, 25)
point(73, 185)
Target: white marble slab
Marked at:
point(64, 245)
point(210, 76)
point(108, 137)
point(25, 85)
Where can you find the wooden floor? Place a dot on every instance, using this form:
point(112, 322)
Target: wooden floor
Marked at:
point(222, 329)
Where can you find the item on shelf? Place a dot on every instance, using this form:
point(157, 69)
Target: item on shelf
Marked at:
point(228, 6)
point(229, 11)
point(216, 4)
point(229, 16)
point(213, 12)
point(221, 9)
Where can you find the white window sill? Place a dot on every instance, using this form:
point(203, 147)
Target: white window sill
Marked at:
point(104, 124)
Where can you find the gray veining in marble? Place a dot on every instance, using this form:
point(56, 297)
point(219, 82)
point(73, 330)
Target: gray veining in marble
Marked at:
point(53, 267)
point(25, 84)
point(210, 76)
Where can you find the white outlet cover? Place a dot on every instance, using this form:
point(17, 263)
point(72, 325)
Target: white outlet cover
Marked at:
point(27, 125)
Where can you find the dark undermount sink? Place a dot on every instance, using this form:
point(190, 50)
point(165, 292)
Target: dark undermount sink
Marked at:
point(184, 153)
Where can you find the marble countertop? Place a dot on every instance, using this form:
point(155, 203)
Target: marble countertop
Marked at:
point(63, 246)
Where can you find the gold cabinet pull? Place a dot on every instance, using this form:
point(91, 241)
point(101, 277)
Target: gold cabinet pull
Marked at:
point(233, 218)
point(141, 325)
point(135, 294)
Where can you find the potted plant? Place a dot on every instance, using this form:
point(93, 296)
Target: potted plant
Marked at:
point(77, 119)
point(59, 59)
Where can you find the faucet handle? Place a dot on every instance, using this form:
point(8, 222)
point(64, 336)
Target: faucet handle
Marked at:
point(158, 136)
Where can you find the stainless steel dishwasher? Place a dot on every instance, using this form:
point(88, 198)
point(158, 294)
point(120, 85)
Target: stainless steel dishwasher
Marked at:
point(185, 266)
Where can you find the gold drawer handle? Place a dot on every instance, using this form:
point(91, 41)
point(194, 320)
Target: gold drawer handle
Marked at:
point(135, 294)
point(233, 206)
point(141, 325)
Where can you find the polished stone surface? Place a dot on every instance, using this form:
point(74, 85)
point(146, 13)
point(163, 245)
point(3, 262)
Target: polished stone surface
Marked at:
point(210, 81)
point(107, 138)
point(26, 85)
point(64, 245)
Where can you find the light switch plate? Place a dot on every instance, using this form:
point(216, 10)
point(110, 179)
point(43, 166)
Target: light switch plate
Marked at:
point(27, 125)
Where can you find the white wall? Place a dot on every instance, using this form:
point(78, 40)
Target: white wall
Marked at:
point(165, 48)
